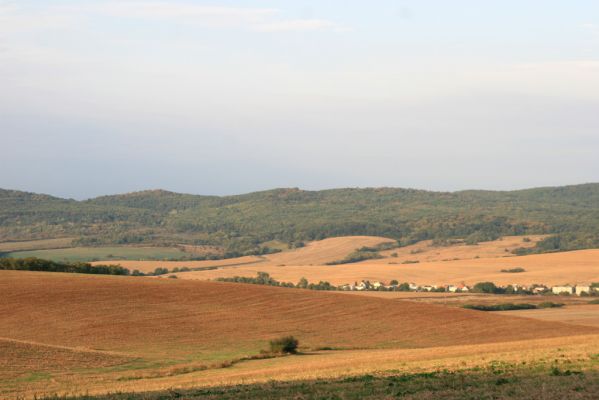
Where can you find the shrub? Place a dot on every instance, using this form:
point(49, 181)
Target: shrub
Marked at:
point(596, 301)
point(500, 307)
point(160, 271)
point(514, 270)
point(284, 345)
point(356, 256)
point(550, 304)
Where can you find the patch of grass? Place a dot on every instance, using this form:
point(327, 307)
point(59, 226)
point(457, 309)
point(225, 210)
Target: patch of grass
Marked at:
point(508, 382)
point(87, 254)
point(35, 376)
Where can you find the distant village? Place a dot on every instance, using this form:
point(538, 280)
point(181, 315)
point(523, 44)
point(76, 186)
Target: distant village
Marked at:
point(578, 290)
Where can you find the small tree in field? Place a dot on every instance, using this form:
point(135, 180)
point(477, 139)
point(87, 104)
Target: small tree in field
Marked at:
point(284, 345)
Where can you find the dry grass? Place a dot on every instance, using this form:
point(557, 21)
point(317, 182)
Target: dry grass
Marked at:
point(175, 328)
point(337, 364)
point(584, 315)
point(150, 266)
point(323, 251)
point(333, 249)
point(425, 251)
point(314, 253)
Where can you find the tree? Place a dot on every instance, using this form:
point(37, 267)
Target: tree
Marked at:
point(303, 283)
point(394, 282)
point(404, 287)
point(284, 345)
point(486, 287)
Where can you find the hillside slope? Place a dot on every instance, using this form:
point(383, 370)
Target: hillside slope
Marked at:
point(241, 223)
point(573, 267)
point(78, 333)
point(144, 315)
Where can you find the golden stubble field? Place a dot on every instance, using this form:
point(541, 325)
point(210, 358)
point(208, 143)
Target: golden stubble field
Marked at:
point(314, 253)
point(77, 333)
point(573, 267)
point(436, 264)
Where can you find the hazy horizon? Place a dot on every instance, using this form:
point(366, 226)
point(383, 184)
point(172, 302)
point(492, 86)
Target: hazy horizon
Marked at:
point(103, 96)
point(292, 187)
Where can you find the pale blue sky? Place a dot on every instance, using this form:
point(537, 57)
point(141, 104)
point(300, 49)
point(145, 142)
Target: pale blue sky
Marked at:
point(227, 97)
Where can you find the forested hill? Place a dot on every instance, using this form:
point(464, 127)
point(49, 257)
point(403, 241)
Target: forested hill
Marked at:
point(240, 223)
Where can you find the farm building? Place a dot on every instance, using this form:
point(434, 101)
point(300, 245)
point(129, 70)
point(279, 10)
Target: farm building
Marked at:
point(562, 289)
point(580, 289)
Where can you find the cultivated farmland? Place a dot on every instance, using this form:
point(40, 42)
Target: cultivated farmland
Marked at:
point(153, 333)
point(551, 269)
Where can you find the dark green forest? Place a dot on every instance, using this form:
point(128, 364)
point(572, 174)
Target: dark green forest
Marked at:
point(240, 224)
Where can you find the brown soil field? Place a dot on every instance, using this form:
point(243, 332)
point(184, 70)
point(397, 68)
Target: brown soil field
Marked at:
point(550, 269)
point(459, 299)
point(161, 330)
point(586, 315)
point(21, 359)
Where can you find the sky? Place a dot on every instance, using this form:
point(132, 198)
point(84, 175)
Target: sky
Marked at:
point(226, 97)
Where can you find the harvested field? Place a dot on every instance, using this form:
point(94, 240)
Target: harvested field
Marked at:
point(171, 328)
point(459, 299)
point(551, 269)
point(426, 251)
point(338, 364)
point(150, 266)
point(323, 251)
point(129, 314)
point(314, 253)
point(22, 359)
point(584, 315)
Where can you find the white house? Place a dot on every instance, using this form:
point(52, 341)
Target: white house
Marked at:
point(580, 289)
point(562, 289)
point(414, 286)
point(377, 284)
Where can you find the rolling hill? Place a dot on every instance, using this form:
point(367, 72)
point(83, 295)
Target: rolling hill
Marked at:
point(574, 267)
point(241, 224)
point(102, 331)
